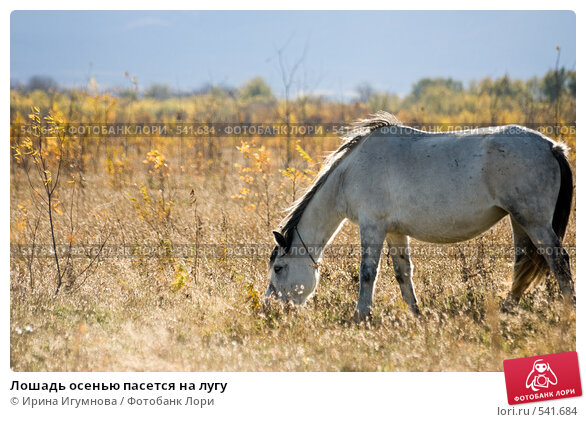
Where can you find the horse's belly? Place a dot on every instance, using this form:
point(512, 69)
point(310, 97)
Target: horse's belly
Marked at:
point(441, 228)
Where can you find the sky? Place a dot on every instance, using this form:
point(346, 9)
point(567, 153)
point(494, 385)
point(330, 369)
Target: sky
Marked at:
point(336, 51)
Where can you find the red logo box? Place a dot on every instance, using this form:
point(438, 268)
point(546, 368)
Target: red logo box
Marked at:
point(546, 377)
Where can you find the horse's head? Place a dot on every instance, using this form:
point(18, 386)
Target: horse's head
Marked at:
point(293, 273)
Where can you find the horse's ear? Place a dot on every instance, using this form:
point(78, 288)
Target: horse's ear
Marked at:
point(280, 239)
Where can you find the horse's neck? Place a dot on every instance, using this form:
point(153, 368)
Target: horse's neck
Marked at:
point(318, 224)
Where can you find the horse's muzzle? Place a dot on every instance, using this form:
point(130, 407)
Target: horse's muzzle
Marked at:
point(271, 292)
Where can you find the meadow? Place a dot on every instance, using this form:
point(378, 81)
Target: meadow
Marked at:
point(150, 253)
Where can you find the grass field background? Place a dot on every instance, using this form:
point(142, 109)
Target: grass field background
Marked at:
point(203, 310)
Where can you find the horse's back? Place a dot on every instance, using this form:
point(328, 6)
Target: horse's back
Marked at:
point(448, 186)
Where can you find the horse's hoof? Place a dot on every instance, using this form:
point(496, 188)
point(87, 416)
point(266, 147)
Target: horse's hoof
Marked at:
point(415, 310)
point(569, 297)
point(360, 316)
point(508, 306)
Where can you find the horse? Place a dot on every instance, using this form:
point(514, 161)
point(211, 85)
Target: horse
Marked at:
point(396, 182)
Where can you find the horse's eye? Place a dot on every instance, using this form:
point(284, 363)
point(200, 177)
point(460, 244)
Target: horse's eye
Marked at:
point(278, 269)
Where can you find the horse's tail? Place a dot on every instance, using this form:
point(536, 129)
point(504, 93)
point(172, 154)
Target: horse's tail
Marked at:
point(532, 264)
point(563, 206)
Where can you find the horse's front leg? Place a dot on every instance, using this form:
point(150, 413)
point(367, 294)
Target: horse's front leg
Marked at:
point(372, 237)
point(399, 251)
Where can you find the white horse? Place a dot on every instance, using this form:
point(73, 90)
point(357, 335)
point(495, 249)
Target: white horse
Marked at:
point(397, 182)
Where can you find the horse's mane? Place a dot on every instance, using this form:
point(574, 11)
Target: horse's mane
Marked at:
point(357, 132)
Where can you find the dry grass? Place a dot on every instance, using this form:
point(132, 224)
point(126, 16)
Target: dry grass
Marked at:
point(169, 313)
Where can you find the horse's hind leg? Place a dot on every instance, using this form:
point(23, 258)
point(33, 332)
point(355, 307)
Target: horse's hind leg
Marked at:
point(549, 246)
point(399, 251)
point(528, 264)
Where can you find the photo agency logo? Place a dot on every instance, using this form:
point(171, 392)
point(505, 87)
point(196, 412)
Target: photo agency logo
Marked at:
point(539, 378)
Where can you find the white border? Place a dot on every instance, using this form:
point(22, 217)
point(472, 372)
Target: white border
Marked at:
point(284, 396)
